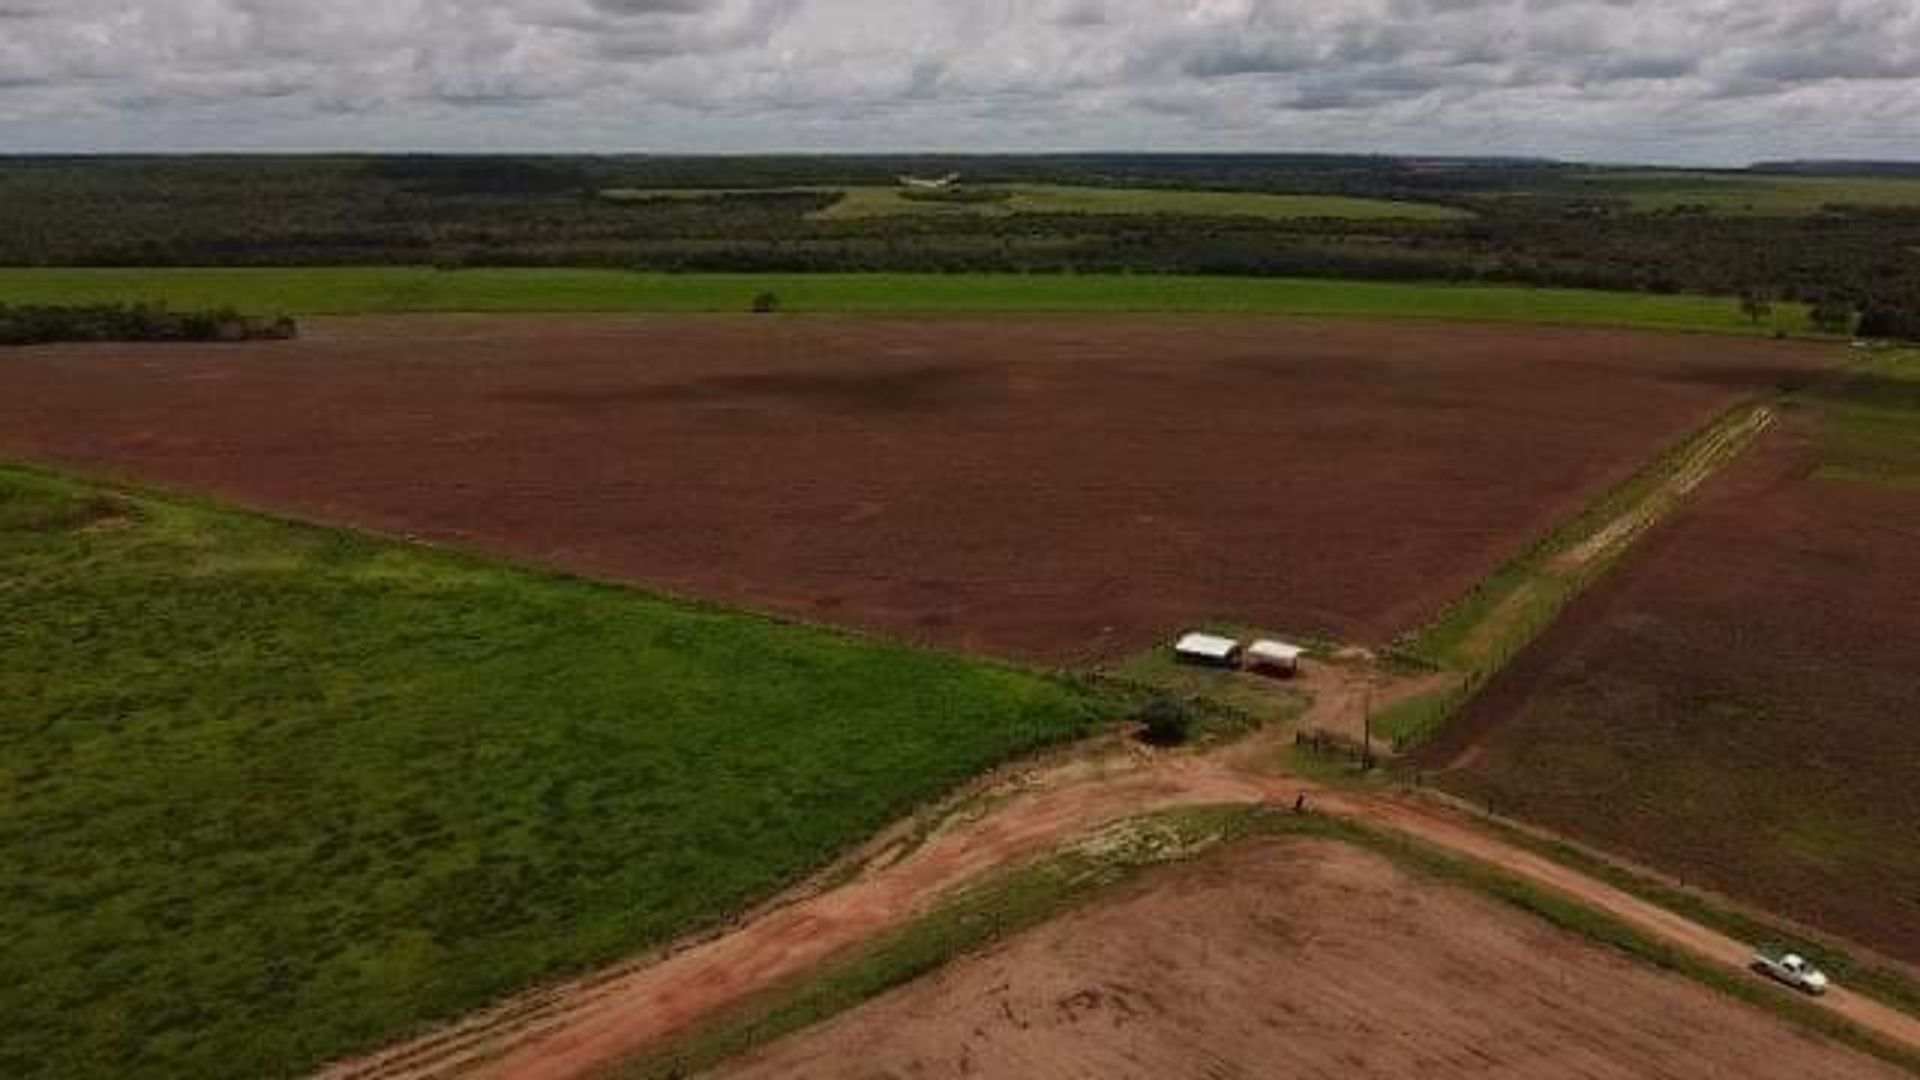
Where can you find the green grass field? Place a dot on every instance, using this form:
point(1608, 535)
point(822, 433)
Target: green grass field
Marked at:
point(397, 290)
point(1732, 193)
point(270, 793)
point(862, 202)
point(1872, 433)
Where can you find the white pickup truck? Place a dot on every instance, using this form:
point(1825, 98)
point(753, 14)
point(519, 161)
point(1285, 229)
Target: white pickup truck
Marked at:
point(1793, 970)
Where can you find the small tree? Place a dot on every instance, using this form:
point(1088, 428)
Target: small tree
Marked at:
point(1168, 722)
point(766, 303)
point(1756, 305)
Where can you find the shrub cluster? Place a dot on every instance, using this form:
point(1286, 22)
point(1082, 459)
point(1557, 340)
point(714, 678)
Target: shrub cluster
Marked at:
point(1166, 722)
point(41, 325)
point(1890, 321)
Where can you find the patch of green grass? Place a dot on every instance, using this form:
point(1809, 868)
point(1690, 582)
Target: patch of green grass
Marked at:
point(1413, 721)
point(399, 290)
point(862, 202)
point(270, 794)
point(1226, 703)
point(1872, 429)
point(968, 922)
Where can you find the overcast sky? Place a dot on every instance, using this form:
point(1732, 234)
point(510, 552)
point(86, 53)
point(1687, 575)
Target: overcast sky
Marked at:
point(1699, 81)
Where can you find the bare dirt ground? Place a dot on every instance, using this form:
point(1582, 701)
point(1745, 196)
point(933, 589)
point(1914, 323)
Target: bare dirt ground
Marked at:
point(577, 1029)
point(1057, 490)
point(1734, 704)
point(1289, 957)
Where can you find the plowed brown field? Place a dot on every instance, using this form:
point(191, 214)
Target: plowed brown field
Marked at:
point(1047, 489)
point(1301, 958)
point(1736, 704)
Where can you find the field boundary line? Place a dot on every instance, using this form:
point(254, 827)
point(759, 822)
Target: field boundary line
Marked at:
point(1479, 635)
point(420, 289)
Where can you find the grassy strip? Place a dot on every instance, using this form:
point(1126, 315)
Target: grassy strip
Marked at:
point(1033, 894)
point(1481, 633)
point(270, 794)
point(1599, 927)
point(969, 922)
point(395, 290)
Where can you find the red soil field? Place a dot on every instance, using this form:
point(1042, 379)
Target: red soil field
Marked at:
point(1301, 958)
point(1736, 704)
point(1053, 490)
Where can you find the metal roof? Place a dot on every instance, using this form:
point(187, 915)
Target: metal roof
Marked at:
point(1210, 645)
point(1268, 649)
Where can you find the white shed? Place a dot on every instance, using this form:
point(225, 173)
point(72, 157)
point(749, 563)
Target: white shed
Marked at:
point(1276, 656)
point(1208, 649)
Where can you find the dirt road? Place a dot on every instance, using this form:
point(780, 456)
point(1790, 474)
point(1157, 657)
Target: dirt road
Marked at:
point(1289, 956)
point(1458, 836)
point(571, 1030)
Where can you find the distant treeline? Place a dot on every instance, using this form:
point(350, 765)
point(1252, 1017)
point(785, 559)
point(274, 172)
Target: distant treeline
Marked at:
point(1534, 222)
point(43, 325)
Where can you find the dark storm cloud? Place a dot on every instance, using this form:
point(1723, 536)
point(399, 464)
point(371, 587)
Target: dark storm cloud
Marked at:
point(1704, 79)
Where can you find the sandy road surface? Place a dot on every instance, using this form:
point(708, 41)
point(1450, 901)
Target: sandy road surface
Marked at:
point(1284, 956)
point(572, 1030)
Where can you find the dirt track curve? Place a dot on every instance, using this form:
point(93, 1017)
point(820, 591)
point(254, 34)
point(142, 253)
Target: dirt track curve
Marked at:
point(578, 1028)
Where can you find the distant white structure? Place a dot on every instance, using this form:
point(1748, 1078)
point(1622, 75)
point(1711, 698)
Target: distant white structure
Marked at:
point(1209, 649)
point(930, 183)
point(1275, 656)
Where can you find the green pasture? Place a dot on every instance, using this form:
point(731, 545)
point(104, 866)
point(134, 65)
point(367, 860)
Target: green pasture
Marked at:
point(397, 290)
point(1872, 431)
point(270, 794)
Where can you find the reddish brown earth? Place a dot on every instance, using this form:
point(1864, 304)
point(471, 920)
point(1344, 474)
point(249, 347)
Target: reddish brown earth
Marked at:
point(1048, 489)
point(1737, 703)
point(638, 1009)
point(1301, 958)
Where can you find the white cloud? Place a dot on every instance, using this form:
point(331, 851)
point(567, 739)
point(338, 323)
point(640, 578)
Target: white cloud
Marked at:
point(1705, 80)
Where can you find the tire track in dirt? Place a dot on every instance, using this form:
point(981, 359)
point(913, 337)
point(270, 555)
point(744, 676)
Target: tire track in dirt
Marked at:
point(576, 1029)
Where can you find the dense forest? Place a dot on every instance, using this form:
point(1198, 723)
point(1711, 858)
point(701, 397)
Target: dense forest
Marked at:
point(1532, 221)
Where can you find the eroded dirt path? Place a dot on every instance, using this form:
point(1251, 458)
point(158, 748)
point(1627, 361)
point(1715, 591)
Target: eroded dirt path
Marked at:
point(577, 1028)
